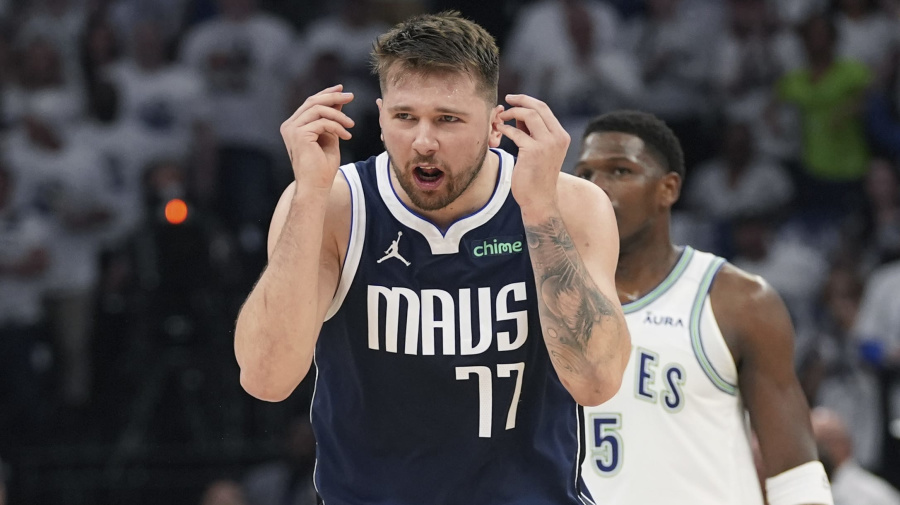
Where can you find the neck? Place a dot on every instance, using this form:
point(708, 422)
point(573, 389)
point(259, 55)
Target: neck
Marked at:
point(645, 263)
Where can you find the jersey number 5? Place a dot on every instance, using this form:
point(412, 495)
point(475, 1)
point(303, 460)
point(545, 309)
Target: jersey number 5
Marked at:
point(486, 393)
point(606, 450)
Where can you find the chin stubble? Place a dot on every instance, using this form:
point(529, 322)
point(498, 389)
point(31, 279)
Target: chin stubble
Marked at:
point(450, 186)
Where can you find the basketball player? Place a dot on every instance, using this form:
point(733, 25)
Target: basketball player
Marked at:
point(457, 309)
point(709, 341)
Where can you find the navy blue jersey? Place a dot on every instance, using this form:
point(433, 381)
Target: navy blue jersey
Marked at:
point(433, 383)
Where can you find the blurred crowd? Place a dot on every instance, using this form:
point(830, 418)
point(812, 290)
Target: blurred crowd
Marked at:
point(140, 161)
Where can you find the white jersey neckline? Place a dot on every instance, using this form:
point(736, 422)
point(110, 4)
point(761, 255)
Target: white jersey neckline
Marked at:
point(448, 242)
point(654, 294)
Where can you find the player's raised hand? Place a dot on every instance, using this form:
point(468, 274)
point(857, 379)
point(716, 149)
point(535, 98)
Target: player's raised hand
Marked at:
point(542, 143)
point(311, 136)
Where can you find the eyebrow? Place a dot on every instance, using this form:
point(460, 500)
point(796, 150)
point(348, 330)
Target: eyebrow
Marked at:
point(440, 110)
point(610, 159)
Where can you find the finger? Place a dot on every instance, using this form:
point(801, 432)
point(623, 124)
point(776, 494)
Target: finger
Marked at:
point(330, 89)
point(323, 125)
point(335, 99)
point(519, 137)
point(542, 118)
point(540, 107)
point(337, 87)
point(527, 120)
point(322, 111)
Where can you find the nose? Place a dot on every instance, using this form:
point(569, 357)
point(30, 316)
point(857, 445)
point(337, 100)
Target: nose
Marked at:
point(425, 141)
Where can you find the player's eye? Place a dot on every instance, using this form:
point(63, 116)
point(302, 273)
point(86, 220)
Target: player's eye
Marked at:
point(621, 171)
point(403, 116)
point(449, 119)
point(585, 172)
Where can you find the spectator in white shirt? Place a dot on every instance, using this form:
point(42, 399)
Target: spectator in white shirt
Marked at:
point(67, 181)
point(336, 48)
point(871, 233)
point(739, 181)
point(877, 330)
point(865, 32)
point(60, 21)
point(568, 54)
point(242, 57)
point(747, 60)
point(795, 269)
point(168, 103)
point(555, 52)
point(851, 484)
point(349, 31)
point(40, 78)
point(171, 14)
point(674, 54)
point(831, 369)
point(125, 149)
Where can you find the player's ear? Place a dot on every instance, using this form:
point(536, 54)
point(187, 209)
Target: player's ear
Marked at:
point(670, 189)
point(494, 137)
point(380, 103)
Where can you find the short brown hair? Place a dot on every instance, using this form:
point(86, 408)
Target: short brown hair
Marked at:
point(440, 42)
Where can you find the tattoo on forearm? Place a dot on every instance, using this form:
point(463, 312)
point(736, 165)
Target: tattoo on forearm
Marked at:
point(570, 303)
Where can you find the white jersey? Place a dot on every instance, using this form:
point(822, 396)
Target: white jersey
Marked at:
point(676, 432)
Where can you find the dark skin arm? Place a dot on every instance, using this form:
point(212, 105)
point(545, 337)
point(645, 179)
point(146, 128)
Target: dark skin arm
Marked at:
point(758, 329)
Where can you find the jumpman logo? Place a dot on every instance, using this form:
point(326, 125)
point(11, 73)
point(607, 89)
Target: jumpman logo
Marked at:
point(393, 251)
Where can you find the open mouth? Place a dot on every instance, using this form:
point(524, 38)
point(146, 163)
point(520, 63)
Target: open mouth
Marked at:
point(428, 176)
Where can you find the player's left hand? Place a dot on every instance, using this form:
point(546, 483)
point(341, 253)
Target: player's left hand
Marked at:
point(542, 143)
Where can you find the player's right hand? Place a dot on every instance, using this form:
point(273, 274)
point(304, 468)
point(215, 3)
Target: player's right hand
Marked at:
point(311, 136)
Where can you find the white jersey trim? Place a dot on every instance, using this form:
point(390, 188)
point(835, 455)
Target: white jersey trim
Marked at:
point(357, 237)
point(444, 243)
point(580, 454)
point(700, 302)
point(312, 403)
point(656, 293)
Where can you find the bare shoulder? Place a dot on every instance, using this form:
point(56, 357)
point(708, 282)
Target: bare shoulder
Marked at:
point(748, 310)
point(571, 187)
point(590, 221)
point(737, 290)
point(582, 200)
point(340, 195)
point(337, 214)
